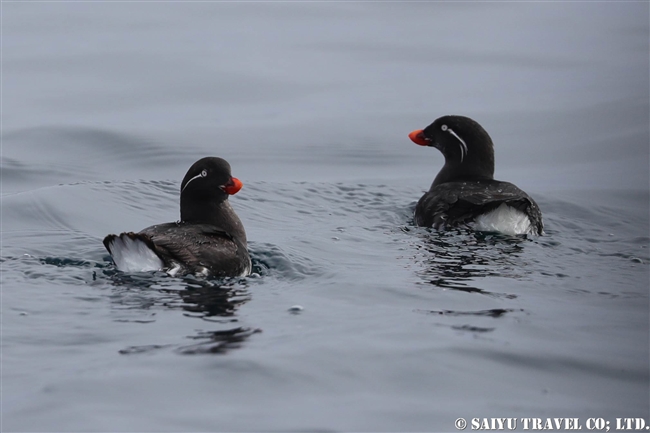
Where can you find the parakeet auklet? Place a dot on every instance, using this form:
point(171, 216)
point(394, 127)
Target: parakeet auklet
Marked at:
point(465, 192)
point(208, 240)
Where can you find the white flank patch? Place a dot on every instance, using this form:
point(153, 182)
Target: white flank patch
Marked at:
point(173, 271)
point(248, 269)
point(133, 255)
point(504, 219)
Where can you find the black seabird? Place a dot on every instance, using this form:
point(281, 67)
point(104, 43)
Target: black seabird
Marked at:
point(208, 240)
point(465, 193)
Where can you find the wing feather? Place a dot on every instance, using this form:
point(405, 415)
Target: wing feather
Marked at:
point(199, 247)
point(455, 203)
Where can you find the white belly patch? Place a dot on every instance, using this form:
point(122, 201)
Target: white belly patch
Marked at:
point(504, 219)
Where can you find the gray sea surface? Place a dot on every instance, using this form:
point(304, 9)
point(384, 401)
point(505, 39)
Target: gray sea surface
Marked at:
point(355, 319)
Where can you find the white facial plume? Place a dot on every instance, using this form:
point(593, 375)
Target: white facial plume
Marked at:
point(462, 145)
point(203, 173)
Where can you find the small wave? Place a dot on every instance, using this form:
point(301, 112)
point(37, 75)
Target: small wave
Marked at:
point(62, 262)
point(270, 260)
point(494, 313)
point(218, 342)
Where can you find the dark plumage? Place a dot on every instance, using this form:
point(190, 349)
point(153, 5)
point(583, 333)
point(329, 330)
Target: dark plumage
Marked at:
point(465, 191)
point(209, 239)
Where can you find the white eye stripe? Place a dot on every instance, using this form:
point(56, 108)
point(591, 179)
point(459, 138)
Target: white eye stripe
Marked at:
point(462, 145)
point(195, 177)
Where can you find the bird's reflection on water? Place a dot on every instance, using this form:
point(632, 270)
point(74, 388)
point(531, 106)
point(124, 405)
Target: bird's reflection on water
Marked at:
point(461, 260)
point(458, 259)
point(214, 301)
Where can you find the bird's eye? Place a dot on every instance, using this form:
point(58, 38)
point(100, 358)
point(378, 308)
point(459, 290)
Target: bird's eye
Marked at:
point(204, 173)
point(443, 127)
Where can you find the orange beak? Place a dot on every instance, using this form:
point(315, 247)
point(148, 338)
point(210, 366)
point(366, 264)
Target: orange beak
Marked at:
point(233, 186)
point(417, 137)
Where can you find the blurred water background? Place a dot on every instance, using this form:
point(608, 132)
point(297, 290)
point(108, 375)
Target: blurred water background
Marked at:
point(105, 105)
